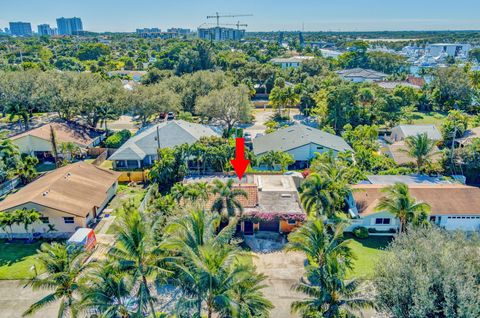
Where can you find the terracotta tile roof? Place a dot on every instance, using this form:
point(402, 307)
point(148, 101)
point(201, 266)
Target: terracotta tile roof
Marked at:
point(81, 135)
point(249, 202)
point(74, 189)
point(444, 199)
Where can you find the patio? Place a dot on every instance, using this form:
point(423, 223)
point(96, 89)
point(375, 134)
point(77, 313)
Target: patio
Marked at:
point(265, 242)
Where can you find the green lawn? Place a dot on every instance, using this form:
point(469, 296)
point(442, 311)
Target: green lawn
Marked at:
point(427, 118)
point(16, 259)
point(367, 252)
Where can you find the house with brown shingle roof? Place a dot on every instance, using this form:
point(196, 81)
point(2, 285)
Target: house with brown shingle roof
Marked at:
point(453, 206)
point(37, 141)
point(68, 198)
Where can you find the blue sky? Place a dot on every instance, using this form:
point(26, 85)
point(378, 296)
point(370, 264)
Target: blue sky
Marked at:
point(316, 15)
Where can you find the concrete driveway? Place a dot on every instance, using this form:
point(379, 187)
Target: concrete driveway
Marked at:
point(283, 271)
point(14, 300)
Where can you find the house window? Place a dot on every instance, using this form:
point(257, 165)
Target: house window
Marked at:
point(68, 220)
point(382, 221)
point(44, 220)
point(291, 222)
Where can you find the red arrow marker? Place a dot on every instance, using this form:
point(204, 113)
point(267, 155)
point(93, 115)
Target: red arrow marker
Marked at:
point(240, 164)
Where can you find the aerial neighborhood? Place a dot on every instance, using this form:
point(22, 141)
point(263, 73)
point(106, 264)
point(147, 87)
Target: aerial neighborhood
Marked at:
point(221, 172)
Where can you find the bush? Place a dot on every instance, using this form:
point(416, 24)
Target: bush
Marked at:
point(118, 139)
point(372, 230)
point(361, 232)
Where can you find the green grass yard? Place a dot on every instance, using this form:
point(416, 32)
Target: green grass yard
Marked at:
point(367, 252)
point(16, 259)
point(428, 118)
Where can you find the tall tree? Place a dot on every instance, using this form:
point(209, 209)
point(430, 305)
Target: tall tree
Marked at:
point(402, 205)
point(136, 254)
point(421, 148)
point(64, 269)
point(229, 106)
point(226, 201)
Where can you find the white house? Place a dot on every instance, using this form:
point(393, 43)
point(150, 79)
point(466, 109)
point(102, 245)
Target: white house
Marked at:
point(360, 75)
point(294, 61)
point(301, 141)
point(141, 150)
point(453, 206)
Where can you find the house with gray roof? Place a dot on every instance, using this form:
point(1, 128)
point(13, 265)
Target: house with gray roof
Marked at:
point(360, 75)
point(401, 132)
point(141, 150)
point(301, 141)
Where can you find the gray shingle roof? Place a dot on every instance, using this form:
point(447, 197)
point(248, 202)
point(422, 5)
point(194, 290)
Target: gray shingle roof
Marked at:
point(360, 72)
point(172, 133)
point(292, 137)
point(414, 130)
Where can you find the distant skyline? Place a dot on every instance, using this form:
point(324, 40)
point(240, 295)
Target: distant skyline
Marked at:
point(268, 15)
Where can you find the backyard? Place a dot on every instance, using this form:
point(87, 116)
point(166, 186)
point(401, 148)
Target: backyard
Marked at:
point(17, 258)
point(367, 251)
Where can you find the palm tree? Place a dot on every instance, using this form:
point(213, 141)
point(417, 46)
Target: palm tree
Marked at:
point(421, 148)
point(106, 113)
point(53, 141)
point(9, 152)
point(27, 218)
point(329, 295)
point(69, 150)
point(136, 254)
point(209, 267)
point(27, 170)
point(109, 293)
point(316, 196)
point(320, 242)
point(63, 271)
point(226, 202)
point(329, 257)
point(178, 191)
point(19, 111)
point(402, 205)
point(7, 220)
point(247, 297)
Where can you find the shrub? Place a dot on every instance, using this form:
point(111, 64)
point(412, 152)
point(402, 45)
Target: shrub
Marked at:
point(372, 230)
point(118, 139)
point(361, 232)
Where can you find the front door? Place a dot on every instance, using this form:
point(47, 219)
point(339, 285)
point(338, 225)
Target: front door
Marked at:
point(248, 227)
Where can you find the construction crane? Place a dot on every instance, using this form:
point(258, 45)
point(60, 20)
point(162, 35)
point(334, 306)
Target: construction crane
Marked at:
point(218, 16)
point(238, 24)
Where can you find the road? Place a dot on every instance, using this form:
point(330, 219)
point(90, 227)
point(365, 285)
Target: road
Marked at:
point(14, 300)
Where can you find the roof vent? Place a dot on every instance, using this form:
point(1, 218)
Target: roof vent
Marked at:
point(286, 195)
point(45, 193)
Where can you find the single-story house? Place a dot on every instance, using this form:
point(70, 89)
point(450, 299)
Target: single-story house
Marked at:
point(360, 75)
point(294, 61)
point(68, 198)
point(401, 132)
point(140, 151)
point(453, 206)
point(300, 141)
point(278, 208)
point(468, 136)
point(37, 141)
point(391, 85)
point(272, 203)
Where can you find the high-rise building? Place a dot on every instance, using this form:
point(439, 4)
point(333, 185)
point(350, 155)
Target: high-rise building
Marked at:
point(180, 31)
point(20, 28)
point(69, 26)
point(45, 29)
point(220, 34)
